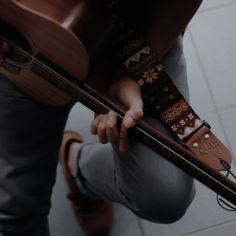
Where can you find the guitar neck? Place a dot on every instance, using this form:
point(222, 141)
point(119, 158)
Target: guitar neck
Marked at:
point(161, 144)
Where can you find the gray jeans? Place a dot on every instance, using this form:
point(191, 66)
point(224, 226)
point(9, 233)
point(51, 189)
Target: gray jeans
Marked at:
point(30, 136)
point(142, 180)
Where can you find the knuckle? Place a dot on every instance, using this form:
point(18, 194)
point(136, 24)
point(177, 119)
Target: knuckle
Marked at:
point(93, 130)
point(138, 113)
point(94, 122)
point(111, 113)
point(110, 126)
point(98, 117)
point(101, 127)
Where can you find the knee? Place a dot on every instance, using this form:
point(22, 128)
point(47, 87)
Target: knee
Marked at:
point(155, 189)
point(164, 208)
point(163, 204)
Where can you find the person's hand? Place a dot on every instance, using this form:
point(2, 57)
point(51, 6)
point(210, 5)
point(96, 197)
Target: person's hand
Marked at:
point(128, 93)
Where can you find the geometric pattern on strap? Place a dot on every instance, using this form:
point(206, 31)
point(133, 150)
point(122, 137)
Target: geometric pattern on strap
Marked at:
point(161, 92)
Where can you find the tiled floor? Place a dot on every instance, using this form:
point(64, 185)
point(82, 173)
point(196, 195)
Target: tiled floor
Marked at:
point(210, 48)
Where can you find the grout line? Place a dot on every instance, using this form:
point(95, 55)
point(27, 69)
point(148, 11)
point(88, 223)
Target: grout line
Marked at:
point(223, 5)
point(208, 228)
point(140, 226)
point(222, 109)
point(227, 108)
point(209, 89)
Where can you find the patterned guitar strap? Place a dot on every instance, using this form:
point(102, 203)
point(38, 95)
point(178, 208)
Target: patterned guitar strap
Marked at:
point(163, 98)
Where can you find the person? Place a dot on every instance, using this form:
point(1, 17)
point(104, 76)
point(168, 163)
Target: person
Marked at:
point(113, 170)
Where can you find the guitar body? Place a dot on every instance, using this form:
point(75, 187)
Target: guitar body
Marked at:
point(66, 35)
point(43, 28)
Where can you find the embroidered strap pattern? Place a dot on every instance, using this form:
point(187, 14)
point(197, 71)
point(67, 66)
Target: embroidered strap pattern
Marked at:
point(160, 91)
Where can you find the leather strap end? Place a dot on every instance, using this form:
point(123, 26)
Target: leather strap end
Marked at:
point(209, 149)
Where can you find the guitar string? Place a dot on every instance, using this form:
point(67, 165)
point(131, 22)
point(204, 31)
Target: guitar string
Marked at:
point(42, 66)
point(64, 83)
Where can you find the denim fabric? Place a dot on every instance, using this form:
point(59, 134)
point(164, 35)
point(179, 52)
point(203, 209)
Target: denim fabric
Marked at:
point(142, 180)
point(30, 136)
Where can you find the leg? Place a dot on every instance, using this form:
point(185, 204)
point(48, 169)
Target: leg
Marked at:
point(29, 141)
point(125, 177)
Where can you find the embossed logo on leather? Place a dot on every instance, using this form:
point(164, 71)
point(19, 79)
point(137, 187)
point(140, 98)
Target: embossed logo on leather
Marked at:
point(207, 147)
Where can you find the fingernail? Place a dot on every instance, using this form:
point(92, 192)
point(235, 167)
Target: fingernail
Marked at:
point(129, 122)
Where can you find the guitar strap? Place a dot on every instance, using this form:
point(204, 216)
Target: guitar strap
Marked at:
point(161, 95)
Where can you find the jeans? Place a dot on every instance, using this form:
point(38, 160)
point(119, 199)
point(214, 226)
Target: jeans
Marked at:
point(30, 137)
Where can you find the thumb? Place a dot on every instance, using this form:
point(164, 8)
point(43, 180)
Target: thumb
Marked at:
point(134, 114)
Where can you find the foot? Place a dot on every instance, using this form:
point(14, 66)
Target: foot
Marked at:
point(95, 216)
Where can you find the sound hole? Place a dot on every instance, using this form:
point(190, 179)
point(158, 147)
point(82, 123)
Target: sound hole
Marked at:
point(20, 51)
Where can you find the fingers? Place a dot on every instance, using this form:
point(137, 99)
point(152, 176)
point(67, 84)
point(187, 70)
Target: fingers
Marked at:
point(104, 126)
point(132, 117)
point(130, 120)
point(111, 128)
point(101, 131)
point(124, 142)
point(95, 123)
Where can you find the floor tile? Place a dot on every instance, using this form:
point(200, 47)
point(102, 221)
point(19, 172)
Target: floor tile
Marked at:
point(204, 211)
point(200, 98)
point(212, 4)
point(126, 223)
point(229, 117)
point(214, 35)
point(227, 229)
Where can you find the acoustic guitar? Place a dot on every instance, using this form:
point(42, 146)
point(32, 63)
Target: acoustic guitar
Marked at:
point(54, 48)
